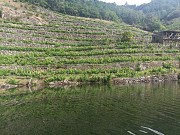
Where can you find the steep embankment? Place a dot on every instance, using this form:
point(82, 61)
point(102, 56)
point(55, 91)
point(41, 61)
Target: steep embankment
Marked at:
point(76, 49)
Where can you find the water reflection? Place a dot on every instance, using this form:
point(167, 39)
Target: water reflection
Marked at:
point(140, 109)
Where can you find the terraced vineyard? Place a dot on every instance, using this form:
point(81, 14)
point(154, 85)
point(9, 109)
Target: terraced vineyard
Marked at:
point(80, 49)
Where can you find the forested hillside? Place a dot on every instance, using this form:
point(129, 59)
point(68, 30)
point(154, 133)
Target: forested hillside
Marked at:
point(167, 11)
point(92, 9)
point(156, 15)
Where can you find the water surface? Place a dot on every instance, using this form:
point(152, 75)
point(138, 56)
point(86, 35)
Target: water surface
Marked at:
point(142, 109)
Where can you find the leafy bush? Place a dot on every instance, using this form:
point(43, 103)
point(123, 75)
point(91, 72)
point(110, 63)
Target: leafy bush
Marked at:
point(167, 65)
point(127, 37)
point(12, 81)
point(0, 13)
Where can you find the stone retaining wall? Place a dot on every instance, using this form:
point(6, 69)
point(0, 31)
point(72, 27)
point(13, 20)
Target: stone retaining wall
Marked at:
point(7, 86)
point(148, 79)
point(63, 83)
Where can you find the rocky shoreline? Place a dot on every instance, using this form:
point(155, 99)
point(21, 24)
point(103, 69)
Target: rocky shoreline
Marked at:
point(63, 83)
point(20, 82)
point(115, 81)
point(147, 79)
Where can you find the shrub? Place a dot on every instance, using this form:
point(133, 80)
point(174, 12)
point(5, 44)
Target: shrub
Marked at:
point(1, 13)
point(167, 65)
point(127, 37)
point(12, 81)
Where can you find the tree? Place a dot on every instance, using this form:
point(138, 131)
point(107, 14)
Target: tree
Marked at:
point(127, 37)
point(0, 13)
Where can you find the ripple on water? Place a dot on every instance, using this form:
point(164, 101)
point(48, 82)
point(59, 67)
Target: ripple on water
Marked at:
point(143, 131)
point(152, 130)
point(131, 133)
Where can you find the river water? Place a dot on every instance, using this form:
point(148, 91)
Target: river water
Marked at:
point(141, 109)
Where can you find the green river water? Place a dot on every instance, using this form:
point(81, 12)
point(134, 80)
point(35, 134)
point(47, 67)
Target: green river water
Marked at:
point(141, 109)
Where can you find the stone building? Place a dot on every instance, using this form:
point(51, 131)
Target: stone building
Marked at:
point(166, 36)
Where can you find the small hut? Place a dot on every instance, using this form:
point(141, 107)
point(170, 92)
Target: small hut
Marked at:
point(166, 36)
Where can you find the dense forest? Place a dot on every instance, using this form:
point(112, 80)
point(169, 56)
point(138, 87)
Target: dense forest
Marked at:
point(154, 16)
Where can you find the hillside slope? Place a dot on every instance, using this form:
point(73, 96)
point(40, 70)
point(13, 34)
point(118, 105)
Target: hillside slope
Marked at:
point(154, 16)
point(77, 49)
point(92, 9)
